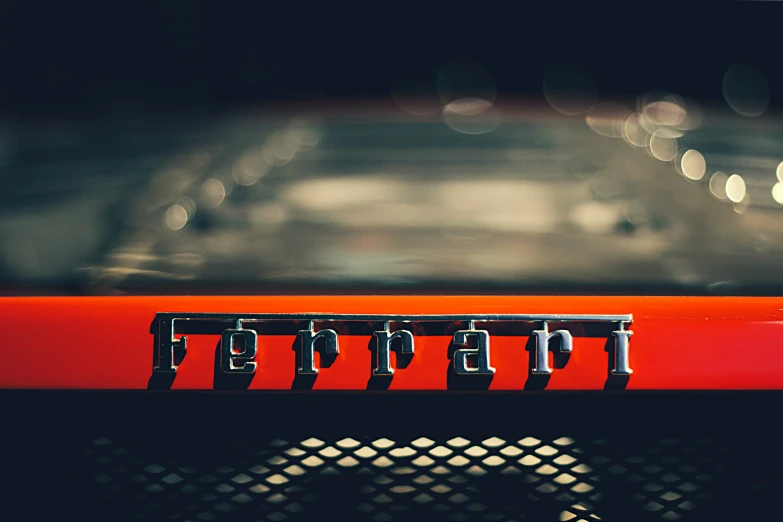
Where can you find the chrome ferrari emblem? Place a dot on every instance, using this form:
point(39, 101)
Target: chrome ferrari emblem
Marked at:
point(383, 349)
point(307, 353)
point(470, 338)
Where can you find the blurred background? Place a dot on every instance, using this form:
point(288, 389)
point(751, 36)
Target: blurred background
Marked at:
point(198, 149)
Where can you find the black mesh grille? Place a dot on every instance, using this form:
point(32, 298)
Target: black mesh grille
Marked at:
point(472, 458)
point(454, 479)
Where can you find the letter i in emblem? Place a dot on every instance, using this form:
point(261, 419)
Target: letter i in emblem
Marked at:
point(622, 338)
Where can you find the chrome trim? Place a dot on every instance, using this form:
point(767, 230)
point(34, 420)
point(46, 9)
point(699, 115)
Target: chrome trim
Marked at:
point(479, 318)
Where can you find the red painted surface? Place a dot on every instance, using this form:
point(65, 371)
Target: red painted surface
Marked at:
point(679, 343)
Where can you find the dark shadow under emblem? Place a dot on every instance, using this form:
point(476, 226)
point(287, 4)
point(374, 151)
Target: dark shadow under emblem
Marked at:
point(161, 381)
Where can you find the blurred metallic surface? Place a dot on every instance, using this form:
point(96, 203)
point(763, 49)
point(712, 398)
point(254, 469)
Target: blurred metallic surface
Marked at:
point(503, 198)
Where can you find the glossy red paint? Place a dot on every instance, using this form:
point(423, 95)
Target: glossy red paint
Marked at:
point(679, 343)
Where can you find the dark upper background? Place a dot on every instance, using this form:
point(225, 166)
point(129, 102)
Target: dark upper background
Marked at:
point(97, 101)
point(80, 62)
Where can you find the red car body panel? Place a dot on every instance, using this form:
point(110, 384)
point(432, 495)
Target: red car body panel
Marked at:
point(678, 343)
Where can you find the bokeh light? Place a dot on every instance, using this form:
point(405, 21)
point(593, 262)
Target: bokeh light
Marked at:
point(777, 192)
point(718, 184)
point(663, 146)
point(466, 80)
point(249, 168)
point(735, 188)
point(634, 133)
point(303, 134)
point(176, 217)
point(595, 217)
point(608, 119)
point(569, 90)
point(471, 116)
point(746, 90)
point(213, 192)
point(692, 165)
point(471, 162)
point(417, 94)
point(662, 108)
point(278, 150)
point(188, 204)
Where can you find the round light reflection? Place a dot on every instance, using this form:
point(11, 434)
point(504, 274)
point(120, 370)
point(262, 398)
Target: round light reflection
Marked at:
point(665, 113)
point(569, 91)
point(176, 217)
point(249, 168)
point(693, 165)
point(735, 188)
point(417, 94)
point(188, 204)
point(303, 133)
point(746, 90)
point(608, 119)
point(662, 146)
point(634, 133)
point(471, 116)
point(214, 192)
point(718, 184)
point(277, 150)
point(777, 192)
point(465, 80)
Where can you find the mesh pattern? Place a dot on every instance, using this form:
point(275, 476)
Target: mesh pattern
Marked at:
point(456, 478)
point(383, 457)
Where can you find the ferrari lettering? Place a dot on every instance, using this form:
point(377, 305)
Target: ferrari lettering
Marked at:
point(468, 348)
